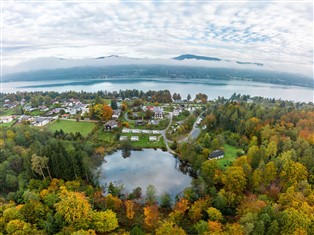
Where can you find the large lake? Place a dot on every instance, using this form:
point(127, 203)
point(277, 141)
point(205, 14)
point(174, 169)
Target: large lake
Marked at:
point(143, 168)
point(213, 88)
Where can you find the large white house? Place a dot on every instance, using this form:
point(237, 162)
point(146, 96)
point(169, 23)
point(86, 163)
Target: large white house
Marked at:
point(6, 119)
point(41, 121)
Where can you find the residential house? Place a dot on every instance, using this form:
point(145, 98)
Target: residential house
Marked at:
point(6, 119)
point(23, 101)
point(9, 105)
point(116, 114)
point(151, 108)
point(110, 125)
point(65, 116)
point(126, 131)
point(134, 138)
point(140, 122)
point(26, 118)
point(43, 108)
point(154, 122)
point(29, 108)
point(176, 111)
point(158, 113)
point(199, 121)
point(41, 121)
point(217, 154)
point(153, 138)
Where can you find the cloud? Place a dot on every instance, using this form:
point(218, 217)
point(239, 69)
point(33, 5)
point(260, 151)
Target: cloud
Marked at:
point(275, 33)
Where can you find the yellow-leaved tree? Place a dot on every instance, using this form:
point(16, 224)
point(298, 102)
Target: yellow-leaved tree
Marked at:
point(74, 208)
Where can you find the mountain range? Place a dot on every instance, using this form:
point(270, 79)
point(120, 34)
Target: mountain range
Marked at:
point(182, 67)
point(183, 60)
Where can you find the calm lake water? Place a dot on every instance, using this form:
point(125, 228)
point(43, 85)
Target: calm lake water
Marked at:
point(143, 168)
point(213, 88)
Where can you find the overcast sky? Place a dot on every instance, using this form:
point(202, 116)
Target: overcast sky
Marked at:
point(275, 33)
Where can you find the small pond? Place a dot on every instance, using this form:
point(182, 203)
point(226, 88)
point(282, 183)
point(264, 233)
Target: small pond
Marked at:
point(143, 168)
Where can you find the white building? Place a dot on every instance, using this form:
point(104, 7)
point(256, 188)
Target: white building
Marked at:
point(6, 119)
point(122, 138)
point(134, 138)
point(153, 138)
point(41, 121)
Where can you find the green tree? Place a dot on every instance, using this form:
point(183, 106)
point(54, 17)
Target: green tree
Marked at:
point(114, 104)
point(165, 200)
point(39, 164)
point(169, 228)
point(104, 221)
point(188, 97)
point(150, 196)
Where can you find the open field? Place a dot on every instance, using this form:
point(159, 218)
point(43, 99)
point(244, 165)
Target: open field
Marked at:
point(230, 156)
point(144, 141)
point(7, 124)
point(71, 126)
point(8, 112)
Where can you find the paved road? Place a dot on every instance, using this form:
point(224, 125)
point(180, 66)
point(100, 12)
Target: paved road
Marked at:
point(163, 133)
point(194, 133)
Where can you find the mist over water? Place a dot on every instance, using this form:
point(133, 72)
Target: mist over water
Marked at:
point(213, 88)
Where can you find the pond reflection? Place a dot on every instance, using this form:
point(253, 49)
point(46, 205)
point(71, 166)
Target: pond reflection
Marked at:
point(146, 167)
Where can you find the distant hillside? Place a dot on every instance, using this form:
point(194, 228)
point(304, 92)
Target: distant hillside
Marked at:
point(137, 72)
point(197, 57)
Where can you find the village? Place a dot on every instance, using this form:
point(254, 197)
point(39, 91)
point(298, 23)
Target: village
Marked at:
point(144, 124)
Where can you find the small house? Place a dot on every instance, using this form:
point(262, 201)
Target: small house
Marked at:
point(43, 108)
point(176, 112)
point(134, 138)
point(41, 121)
point(6, 119)
point(123, 138)
point(110, 125)
point(66, 116)
point(153, 138)
point(116, 114)
point(151, 108)
point(139, 122)
point(126, 131)
point(217, 154)
point(154, 122)
point(26, 118)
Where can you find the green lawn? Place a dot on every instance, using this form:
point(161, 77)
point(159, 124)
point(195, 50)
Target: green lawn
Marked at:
point(36, 113)
point(72, 126)
point(181, 116)
point(230, 156)
point(104, 136)
point(9, 112)
point(144, 141)
point(7, 124)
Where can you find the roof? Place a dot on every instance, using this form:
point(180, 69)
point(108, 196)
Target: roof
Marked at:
point(5, 117)
point(117, 112)
point(40, 119)
point(216, 153)
point(25, 117)
point(158, 110)
point(111, 123)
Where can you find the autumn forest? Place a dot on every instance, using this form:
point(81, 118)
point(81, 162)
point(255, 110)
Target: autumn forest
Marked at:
point(49, 184)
